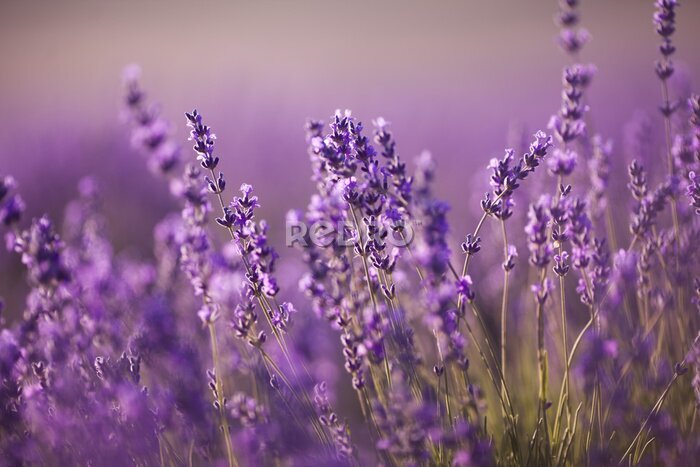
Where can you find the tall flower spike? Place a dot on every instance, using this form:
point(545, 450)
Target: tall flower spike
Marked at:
point(328, 418)
point(203, 140)
point(568, 123)
point(665, 24)
point(571, 37)
point(507, 174)
point(249, 237)
point(150, 133)
point(395, 167)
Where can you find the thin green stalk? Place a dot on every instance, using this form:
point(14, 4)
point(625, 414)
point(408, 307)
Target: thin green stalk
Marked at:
point(365, 266)
point(564, 401)
point(220, 396)
point(654, 409)
point(542, 366)
point(410, 253)
point(589, 434)
point(447, 393)
point(509, 421)
point(504, 305)
point(467, 258)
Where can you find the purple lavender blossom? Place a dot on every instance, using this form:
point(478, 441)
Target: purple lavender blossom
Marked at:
point(150, 134)
point(536, 230)
point(345, 450)
point(568, 123)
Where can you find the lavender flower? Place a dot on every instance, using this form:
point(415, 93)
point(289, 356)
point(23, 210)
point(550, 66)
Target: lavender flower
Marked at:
point(395, 167)
point(339, 430)
point(472, 245)
point(562, 163)
point(599, 172)
point(571, 38)
point(536, 230)
point(245, 318)
point(249, 237)
point(506, 177)
point(282, 317)
point(665, 24)
point(649, 205)
point(150, 134)
point(354, 358)
point(568, 123)
point(580, 233)
point(246, 410)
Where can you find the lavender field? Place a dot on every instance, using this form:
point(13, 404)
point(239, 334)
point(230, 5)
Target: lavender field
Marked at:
point(194, 272)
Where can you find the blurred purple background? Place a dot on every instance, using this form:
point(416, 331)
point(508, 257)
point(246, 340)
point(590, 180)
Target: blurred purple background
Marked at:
point(452, 77)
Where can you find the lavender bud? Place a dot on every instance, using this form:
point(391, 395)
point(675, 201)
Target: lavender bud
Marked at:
point(464, 288)
point(561, 268)
point(509, 263)
point(542, 291)
point(472, 245)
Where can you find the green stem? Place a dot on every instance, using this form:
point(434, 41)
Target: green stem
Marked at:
point(220, 396)
point(542, 366)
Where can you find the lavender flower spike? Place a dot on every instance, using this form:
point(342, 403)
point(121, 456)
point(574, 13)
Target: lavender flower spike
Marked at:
point(665, 24)
point(150, 133)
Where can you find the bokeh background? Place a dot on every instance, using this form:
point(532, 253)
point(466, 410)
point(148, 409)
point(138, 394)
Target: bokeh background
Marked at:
point(453, 77)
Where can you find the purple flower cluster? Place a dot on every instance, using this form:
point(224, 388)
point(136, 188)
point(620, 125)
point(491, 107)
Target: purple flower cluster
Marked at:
point(649, 204)
point(568, 123)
